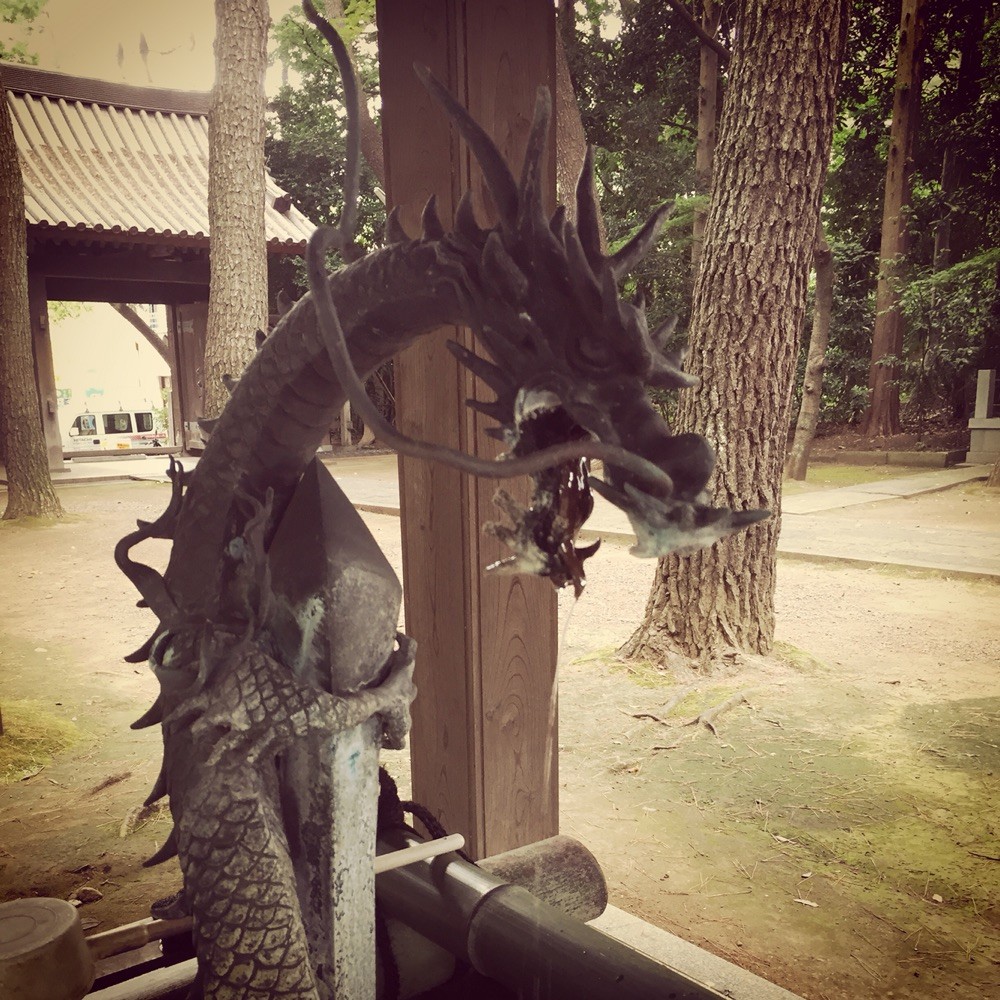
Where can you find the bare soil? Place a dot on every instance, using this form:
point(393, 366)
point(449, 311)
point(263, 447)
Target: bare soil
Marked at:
point(839, 834)
point(933, 434)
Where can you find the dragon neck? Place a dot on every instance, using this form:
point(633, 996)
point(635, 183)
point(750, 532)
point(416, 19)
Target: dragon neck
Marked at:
point(281, 409)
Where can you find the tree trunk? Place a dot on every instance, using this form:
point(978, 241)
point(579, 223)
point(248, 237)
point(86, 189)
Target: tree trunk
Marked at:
point(749, 302)
point(371, 134)
point(812, 384)
point(708, 101)
point(571, 140)
point(954, 168)
point(158, 343)
point(882, 416)
point(237, 298)
point(994, 481)
point(29, 485)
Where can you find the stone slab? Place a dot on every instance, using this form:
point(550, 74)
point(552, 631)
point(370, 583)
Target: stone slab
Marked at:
point(918, 459)
point(688, 959)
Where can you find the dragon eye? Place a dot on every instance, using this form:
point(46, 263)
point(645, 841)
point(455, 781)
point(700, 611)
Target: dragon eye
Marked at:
point(595, 353)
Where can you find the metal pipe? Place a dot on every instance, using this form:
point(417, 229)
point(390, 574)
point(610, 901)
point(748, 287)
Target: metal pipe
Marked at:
point(516, 939)
point(503, 931)
point(541, 954)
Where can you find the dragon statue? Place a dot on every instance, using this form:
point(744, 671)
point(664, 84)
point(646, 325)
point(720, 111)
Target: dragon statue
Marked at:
point(258, 651)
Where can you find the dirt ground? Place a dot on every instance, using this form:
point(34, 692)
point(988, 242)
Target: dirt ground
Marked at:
point(840, 835)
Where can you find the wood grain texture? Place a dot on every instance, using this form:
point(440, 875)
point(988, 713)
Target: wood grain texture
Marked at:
point(484, 726)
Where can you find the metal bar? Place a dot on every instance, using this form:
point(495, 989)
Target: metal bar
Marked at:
point(514, 938)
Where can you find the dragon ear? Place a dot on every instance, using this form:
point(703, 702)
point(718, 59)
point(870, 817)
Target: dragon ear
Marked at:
point(394, 231)
point(499, 179)
point(586, 213)
point(430, 223)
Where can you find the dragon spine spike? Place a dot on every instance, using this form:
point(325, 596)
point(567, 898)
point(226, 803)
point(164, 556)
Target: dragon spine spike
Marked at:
point(501, 270)
point(283, 304)
point(430, 223)
point(580, 272)
point(142, 653)
point(394, 231)
point(662, 335)
point(666, 374)
point(465, 220)
point(610, 302)
point(499, 179)
point(586, 212)
point(496, 411)
point(159, 788)
point(494, 377)
point(629, 255)
point(557, 224)
point(165, 853)
point(152, 716)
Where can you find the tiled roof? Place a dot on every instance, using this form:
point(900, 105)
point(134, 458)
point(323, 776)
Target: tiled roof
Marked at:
point(120, 162)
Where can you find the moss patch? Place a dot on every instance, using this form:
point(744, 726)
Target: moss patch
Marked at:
point(32, 737)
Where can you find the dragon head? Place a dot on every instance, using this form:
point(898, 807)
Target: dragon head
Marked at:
point(568, 359)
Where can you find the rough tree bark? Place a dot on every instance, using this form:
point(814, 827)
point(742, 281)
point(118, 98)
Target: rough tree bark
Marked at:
point(237, 298)
point(994, 481)
point(882, 416)
point(29, 484)
point(812, 384)
point(749, 301)
point(708, 102)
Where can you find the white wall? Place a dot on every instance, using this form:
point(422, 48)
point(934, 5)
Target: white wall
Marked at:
point(103, 363)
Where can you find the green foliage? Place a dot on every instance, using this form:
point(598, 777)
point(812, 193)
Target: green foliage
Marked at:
point(306, 137)
point(952, 321)
point(961, 116)
point(59, 311)
point(22, 14)
point(637, 93)
point(305, 143)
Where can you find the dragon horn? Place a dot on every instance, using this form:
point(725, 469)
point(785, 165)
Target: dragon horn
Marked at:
point(586, 213)
point(531, 175)
point(499, 179)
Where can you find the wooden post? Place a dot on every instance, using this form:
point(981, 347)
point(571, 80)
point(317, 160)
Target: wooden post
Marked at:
point(188, 336)
point(483, 745)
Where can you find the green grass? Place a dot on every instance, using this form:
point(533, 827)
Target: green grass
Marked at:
point(32, 737)
point(830, 476)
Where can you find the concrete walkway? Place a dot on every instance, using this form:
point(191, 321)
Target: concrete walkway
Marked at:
point(822, 525)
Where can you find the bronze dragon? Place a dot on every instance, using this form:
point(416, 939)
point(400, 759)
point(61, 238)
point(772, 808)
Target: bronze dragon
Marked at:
point(242, 678)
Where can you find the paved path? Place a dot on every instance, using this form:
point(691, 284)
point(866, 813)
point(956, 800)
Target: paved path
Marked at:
point(822, 525)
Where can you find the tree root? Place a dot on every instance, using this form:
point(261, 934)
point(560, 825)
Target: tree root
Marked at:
point(678, 697)
point(708, 717)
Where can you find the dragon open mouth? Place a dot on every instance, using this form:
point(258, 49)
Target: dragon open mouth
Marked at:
point(544, 535)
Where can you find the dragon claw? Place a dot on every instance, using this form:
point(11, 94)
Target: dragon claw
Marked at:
point(397, 692)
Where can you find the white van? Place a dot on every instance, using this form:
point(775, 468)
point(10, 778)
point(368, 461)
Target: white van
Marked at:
point(116, 430)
